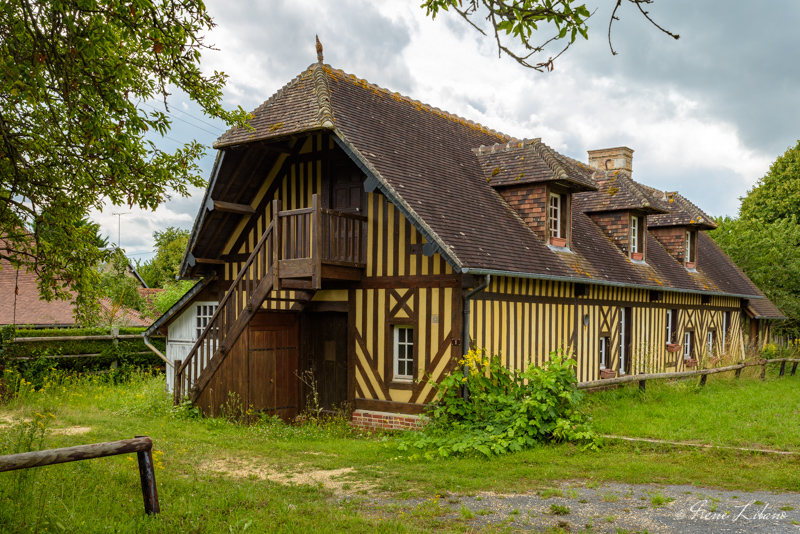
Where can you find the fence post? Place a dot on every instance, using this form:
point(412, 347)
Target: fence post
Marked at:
point(703, 379)
point(176, 383)
point(642, 385)
point(764, 370)
point(794, 368)
point(148, 476)
point(115, 342)
point(783, 368)
point(739, 370)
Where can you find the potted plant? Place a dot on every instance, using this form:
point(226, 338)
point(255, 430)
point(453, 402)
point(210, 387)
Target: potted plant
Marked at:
point(639, 256)
point(690, 265)
point(673, 347)
point(558, 241)
point(690, 362)
point(607, 373)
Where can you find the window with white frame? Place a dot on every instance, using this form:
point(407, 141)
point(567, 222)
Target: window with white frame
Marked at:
point(555, 215)
point(691, 252)
point(403, 353)
point(203, 315)
point(687, 345)
point(635, 245)
point(604, 343)
point(710, 343)
point(669, 327)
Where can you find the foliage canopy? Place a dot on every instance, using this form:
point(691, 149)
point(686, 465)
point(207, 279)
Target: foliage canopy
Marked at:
point(521, 19)
point(777, 194)
point(73, 133)
point(161, 270)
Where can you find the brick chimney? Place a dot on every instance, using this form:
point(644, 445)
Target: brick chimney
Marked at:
point(612, 159)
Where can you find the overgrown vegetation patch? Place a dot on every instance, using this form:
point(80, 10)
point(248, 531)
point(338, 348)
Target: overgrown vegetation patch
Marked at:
point(485, 408)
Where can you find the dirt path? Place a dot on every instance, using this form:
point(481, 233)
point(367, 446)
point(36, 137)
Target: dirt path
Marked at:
point(613, 508)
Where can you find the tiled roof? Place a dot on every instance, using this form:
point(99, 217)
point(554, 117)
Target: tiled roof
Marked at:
point(434, 166)
point(428, 162)
point(293, 109)
point(27, 308)
point(681, 211)
point(529, 161)
point(617, 191)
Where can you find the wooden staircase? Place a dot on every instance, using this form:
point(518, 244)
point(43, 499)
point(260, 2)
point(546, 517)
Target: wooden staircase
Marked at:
point(237, 307)
point(296, 252)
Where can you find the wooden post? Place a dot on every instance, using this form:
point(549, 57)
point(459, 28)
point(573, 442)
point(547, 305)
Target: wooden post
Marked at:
point(141, 445)
point(703, 379)
point(783, 368)
point(147, 475)
point(316, 243)
point(177, 381)
point(115, 342)
point(794, 368)
point(277, 243)
point(642, 385)
point(739, 370)
point(764, 370)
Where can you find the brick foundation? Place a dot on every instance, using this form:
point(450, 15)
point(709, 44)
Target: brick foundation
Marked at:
point(369, 420)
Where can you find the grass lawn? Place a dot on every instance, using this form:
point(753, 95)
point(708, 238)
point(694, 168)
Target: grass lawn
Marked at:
point(214, 476)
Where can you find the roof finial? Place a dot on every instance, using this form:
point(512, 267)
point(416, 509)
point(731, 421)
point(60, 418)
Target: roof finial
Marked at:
point(319, 50)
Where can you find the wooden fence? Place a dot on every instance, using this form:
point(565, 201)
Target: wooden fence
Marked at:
point(113, 337)
point(703, 373)
point(141, 445)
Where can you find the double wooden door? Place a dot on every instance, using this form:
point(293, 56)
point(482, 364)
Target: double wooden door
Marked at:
point(272, 365)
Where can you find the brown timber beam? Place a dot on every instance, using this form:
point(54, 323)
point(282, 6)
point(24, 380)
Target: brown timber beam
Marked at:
point(232, 207)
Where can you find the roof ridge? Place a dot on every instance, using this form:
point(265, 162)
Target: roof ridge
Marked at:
point(277, 94)
point(421, 105)
point(546, 154)
point(698, 213)
point(325, 114)
point(497, 147)
point(687, 205)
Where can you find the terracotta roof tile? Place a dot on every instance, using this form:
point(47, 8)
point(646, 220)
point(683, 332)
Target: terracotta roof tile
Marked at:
point(681, 211)
point(530, 161)
point(617, 191)
point(437, 163)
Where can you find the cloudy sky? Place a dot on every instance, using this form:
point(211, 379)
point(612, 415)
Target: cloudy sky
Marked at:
point(705, 115)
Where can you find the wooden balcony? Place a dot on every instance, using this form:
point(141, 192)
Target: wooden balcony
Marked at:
point(317, 244)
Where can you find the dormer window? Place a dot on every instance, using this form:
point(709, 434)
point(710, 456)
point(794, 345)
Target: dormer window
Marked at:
point(557, 219)
point(555, 215)
point(691, 249)
point(637, 239)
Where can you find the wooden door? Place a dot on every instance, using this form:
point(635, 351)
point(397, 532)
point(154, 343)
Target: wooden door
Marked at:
point(272, 369)
point(347, 187)
point(325, 359)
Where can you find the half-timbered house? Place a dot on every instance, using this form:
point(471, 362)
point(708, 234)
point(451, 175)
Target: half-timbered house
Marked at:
point(359, 241)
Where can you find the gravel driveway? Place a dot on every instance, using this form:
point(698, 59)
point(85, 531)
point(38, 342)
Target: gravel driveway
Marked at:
point(613, 508)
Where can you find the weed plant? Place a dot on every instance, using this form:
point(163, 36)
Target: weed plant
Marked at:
point(505, 411)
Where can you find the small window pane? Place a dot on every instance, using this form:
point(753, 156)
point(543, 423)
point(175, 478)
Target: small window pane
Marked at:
point(403, 353)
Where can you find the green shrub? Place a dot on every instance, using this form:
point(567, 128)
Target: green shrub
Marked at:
point(37, 361)
point(506, 411)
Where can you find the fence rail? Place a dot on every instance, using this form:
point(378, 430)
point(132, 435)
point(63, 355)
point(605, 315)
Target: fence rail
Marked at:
point(141, 445)
point(643, 378)
point(80, 338)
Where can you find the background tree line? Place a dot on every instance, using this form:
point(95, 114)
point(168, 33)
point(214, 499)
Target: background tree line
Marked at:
point(764, 240)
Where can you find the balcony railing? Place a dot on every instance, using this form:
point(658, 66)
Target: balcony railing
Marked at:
point(318, 244)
